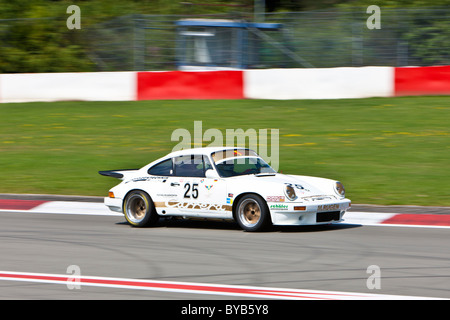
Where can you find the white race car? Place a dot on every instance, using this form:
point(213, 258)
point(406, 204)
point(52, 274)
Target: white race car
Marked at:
point(224, 183)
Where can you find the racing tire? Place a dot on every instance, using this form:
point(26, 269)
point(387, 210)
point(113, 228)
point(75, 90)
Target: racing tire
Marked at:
point(252, 213)
point(139, 209)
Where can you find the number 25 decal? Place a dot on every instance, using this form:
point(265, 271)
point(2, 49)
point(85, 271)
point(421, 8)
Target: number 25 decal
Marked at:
point(193, 193)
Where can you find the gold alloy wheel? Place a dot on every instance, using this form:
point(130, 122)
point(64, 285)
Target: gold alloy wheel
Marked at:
point(136, 208)
point(139, 209)
point(249, 212)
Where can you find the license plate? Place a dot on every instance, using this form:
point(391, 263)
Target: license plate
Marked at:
point(328, 207)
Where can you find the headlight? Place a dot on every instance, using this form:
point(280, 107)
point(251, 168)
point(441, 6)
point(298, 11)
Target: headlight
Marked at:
point(339, 188)
point(290, 192)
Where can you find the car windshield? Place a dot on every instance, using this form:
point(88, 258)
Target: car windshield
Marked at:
point(238, 166)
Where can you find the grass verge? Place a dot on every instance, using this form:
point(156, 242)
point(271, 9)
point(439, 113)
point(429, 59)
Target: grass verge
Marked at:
point(384, 150)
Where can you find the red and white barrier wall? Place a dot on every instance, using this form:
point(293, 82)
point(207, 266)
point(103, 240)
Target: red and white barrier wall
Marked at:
point(190, 85)
point(89, 86)
point(329, 83)
point(326, 83)
point(422, 81)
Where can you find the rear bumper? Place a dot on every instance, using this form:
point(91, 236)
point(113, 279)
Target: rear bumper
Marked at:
point(114, 204)
point(300, 213)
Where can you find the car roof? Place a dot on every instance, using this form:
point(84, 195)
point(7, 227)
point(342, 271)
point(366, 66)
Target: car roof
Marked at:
point(195, 151)
point(201, 151)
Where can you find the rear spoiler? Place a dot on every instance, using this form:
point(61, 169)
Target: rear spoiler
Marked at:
point(119, 174)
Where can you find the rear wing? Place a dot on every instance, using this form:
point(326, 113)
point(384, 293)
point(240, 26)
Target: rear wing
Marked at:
point(119, 174)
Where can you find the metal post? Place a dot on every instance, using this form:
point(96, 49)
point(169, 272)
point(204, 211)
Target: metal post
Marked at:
point(259, 8)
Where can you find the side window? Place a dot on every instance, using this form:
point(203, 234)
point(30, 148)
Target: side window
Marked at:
point(162, 169)
point(207, 164)
point(189, 166)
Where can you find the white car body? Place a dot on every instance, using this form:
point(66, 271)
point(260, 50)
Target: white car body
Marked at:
point(211, 194)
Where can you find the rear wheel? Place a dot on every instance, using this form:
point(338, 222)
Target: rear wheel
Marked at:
point(139, 209)
point(252, 213)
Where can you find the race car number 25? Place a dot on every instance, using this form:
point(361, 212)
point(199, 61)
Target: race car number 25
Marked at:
point(191, 192)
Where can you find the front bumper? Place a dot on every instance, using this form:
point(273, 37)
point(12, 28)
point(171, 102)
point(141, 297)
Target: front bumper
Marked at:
point(307, 213)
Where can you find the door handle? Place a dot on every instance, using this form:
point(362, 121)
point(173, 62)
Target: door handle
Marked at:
point(174, 184)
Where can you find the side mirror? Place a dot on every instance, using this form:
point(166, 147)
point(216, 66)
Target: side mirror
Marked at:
point(211, 174)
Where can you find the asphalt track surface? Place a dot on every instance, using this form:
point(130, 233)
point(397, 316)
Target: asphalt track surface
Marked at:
point(413, 261)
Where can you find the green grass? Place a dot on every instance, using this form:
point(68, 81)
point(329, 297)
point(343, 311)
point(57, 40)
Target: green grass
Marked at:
point(384, 150)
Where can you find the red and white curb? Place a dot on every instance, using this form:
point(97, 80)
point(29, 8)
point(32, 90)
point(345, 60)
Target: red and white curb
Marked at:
point(72, 281)
point(398, 219)
point(351, 217)
point(56, 207)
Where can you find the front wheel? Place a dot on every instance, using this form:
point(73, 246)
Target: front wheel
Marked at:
point(139, 209)
point(252, 213)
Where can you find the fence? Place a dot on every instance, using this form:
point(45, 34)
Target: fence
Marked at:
point(341, 38)
point(319, 39)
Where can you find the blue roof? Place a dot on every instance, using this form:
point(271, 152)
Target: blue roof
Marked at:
point(227, 24)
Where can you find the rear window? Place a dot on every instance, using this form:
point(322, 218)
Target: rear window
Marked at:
point(164, 168)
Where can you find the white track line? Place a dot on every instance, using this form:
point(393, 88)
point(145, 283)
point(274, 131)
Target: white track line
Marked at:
point(71, 207)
